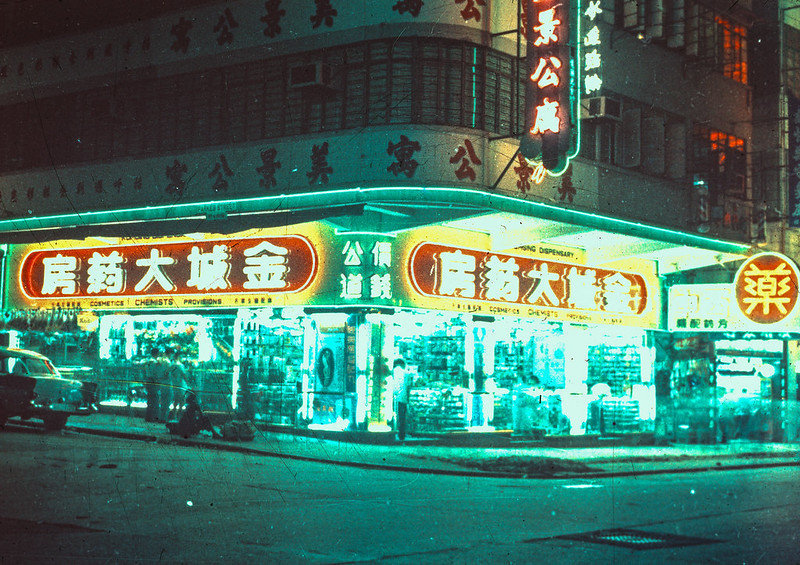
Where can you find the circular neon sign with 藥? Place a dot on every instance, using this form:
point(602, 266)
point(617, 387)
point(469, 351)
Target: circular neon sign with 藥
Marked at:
point(766, 288)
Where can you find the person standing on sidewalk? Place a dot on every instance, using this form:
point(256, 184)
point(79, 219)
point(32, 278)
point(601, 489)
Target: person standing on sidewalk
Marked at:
point(178, 386)
point(154, 370)
point(402, 385)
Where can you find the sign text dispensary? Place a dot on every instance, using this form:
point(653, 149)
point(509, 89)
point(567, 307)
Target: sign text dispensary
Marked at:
point(443, 271)
point(282, 264)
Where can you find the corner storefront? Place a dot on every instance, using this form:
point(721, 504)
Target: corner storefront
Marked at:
point(298, 326)
point(729, 364)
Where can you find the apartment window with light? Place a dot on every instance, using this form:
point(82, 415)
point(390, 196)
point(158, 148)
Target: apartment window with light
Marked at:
point(719, 160)
point(723, 44)
point(709, 37)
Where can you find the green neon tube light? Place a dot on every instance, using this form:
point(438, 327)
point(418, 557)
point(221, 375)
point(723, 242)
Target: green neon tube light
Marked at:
point(369, 195)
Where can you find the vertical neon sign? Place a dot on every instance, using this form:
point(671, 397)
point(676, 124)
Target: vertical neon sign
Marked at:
point(592, 59)
point(550, 100)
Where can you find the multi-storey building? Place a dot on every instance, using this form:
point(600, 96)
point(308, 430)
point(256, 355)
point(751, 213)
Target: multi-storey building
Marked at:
point(293, 194)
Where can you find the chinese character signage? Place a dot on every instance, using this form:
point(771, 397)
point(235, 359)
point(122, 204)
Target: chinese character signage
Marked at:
point(317, 266)
point(415, 157)
point(549, 99)
point(700, 307)
point(762, 298)
point(591, 42)
point(794, 162)
point(483, 281)
point(766, 288)
point(366, 272)
point(206, 272)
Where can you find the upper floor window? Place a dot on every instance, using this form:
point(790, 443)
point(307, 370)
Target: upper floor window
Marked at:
point(708, 36)
point(719, 160)
point(792, 60)
point(722, 44)
point(634, 135)
point(371, 83)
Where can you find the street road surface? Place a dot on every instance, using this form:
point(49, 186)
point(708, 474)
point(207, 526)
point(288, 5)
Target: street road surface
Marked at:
point(72, 498)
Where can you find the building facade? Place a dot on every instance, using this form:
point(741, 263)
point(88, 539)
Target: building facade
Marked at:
point(295, 194)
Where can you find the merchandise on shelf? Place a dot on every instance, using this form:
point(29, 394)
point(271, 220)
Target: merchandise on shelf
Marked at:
point(436, 409)
point(438, 357)
point(620, 367)
point(620, 414)
point(276, 403)
point(270, 364)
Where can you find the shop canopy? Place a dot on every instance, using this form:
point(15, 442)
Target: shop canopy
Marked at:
point(510, 223)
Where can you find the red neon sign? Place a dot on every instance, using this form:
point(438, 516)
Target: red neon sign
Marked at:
point(547, 92)
point(268, 265)
point(444, 271)
point(766, 288)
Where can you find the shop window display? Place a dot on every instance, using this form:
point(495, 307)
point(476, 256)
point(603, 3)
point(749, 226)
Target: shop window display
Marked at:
point(527, 369)
point(620, 384)
point(434, 353)
point(558, 379)
point(250, 365)
point(713, 391)
point(617, 369)
point(748, 376)
point(529, 377)
point(127, 342)
point(270, 367)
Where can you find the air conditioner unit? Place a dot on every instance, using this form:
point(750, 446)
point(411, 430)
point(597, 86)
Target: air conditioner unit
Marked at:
point(310, 75)
point(601, 107)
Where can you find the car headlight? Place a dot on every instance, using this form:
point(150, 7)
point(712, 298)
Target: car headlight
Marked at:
point(75, 397)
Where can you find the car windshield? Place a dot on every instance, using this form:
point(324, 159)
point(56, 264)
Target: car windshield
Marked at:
point(25, 366)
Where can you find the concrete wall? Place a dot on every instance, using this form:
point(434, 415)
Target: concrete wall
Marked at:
point(644, 73)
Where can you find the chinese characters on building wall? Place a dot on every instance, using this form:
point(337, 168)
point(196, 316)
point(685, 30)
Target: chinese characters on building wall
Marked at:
point(592, 40)
point(380, 158)
point(699, 307)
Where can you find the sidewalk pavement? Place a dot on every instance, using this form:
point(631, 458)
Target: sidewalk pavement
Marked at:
point(417, 457)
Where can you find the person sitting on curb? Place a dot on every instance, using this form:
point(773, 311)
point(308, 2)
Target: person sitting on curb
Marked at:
point(192, 421)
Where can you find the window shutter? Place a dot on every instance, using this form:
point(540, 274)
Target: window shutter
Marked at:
point(630, 15)
point(692, 30)
point(675, 149)
point(655, 19)
point(631, 138)
point(735, 172)
point(676, 25)
point(653, 149)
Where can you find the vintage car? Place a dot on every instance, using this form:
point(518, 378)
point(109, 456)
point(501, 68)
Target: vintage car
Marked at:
point(54, 398)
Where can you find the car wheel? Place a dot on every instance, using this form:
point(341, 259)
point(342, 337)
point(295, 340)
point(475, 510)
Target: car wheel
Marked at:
point(55, 422)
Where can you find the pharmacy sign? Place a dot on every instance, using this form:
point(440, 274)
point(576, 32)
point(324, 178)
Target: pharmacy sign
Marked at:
point(766, 288)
